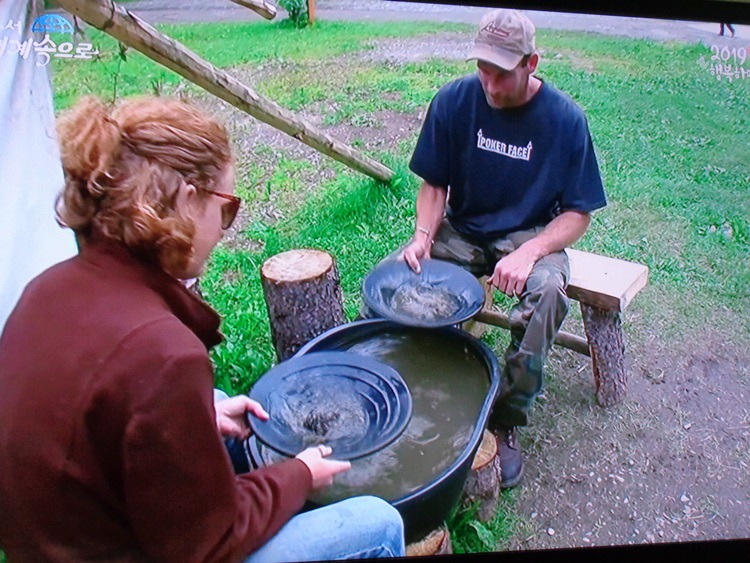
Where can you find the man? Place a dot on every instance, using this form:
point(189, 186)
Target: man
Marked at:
point(509, 179)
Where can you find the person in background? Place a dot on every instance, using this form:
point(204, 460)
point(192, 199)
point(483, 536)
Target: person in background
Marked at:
point(111, 445)
point(509, 179)
point(729, 27)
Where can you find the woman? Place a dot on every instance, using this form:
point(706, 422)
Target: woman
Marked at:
point(111, 447)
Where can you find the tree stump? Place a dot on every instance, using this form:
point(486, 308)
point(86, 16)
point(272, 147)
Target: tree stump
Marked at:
point(483, 483)
point(437, 542)
point(607, 346)
point(303, 295)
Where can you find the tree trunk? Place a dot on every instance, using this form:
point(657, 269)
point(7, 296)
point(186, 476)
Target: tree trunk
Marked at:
point(483, 483)
point(607, 345)
point(303, 295)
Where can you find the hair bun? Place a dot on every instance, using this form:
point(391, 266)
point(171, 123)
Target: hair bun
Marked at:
point(88, 136)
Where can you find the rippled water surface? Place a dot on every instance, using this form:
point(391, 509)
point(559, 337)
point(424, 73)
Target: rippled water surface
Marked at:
point(425, 302)
point(448, 384)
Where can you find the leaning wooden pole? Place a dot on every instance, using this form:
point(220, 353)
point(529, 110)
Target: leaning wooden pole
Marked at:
point(134, 32)
point(260, 7)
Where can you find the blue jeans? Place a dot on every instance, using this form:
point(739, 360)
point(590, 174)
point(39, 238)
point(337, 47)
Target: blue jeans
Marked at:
point(356, 528)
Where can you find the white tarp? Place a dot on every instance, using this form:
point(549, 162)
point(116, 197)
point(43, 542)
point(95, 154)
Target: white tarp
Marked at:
point(30, 170)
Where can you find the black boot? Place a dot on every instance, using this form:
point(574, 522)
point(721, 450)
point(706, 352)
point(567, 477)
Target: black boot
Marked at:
point(509, 453)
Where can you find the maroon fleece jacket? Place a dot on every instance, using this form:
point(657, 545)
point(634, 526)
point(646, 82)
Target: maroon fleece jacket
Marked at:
point(108, 442)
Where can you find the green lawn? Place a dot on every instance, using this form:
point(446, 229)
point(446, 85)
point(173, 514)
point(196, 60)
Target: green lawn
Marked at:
point(671, 142)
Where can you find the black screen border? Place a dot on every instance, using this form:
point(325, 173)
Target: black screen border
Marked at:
point(695, 10)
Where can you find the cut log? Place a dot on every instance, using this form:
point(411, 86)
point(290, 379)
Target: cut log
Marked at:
point(134, 32)
point(437, 542)
point(303, 295)
point(483, 484)
point(607, 345)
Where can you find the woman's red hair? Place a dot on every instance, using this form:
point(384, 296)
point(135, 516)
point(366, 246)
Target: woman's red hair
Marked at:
point(127, 171)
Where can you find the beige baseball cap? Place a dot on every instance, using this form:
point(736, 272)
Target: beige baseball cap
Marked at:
point(503, 39)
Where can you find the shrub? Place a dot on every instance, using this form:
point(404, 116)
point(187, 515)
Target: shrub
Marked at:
point(297, 10)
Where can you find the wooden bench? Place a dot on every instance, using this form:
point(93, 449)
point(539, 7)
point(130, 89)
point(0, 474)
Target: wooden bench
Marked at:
point(604, 287)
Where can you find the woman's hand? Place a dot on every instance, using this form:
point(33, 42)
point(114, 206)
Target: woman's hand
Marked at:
point(322, 470)
point(231, 417)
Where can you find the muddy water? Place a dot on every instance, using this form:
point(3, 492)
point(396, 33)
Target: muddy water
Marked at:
point(328, 410)
point(448, 383)
point(424, 301)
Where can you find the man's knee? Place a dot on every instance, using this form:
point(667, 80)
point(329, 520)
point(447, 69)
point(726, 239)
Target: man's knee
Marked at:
point(545, 288)
point(553, 297)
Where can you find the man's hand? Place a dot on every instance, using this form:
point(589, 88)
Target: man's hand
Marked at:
point(430, 209)
point(322, 470)
point(512, 271)
point(414, 252)
point(231, 418)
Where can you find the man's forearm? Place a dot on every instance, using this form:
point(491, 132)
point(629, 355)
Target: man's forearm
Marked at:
point(561, 232)
point(430, 211)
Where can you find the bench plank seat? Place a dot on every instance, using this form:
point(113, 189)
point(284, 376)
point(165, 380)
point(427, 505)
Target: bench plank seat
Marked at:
point(606, 283)
point(604, 287)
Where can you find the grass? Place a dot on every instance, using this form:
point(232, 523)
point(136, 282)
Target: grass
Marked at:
point(120, 72)
point(670, 138)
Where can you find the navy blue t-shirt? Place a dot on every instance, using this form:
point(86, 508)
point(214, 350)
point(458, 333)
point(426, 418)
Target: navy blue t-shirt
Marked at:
point(507, 169)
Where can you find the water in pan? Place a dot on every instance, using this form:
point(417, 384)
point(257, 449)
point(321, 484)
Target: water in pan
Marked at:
point(448, 384)
point(425, 301)
point(320, 413)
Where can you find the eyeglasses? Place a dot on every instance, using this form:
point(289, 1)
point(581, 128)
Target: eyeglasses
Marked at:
point(228, 210)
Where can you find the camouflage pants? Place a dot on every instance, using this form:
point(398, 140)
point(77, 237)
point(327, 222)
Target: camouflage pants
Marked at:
point(534, 320)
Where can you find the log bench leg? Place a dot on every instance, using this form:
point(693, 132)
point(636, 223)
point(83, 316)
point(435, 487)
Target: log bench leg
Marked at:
point(607, 347)
point(473, 326)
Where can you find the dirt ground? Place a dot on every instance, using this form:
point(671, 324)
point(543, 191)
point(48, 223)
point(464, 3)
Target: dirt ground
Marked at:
point(671, 463)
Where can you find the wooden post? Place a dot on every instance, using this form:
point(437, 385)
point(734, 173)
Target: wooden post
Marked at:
point(303, 295)
point(310, 11)
point(134, 32)
point(607, 345)
point(473, 326)
point(437, 542)
point(483, 483)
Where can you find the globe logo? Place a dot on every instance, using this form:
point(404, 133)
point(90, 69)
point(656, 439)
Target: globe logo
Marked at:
point(51, 23)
